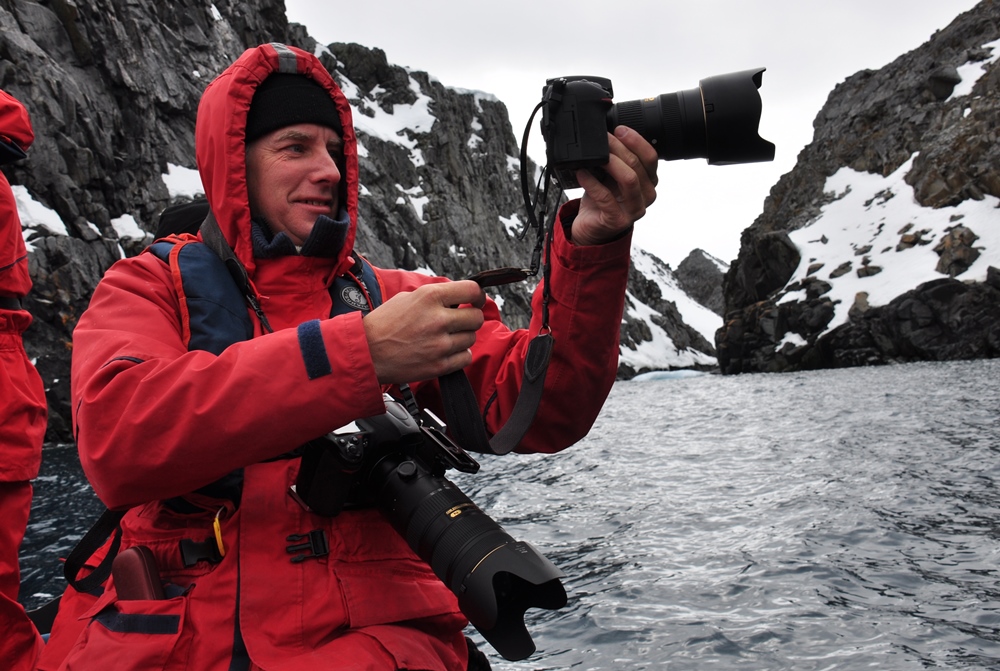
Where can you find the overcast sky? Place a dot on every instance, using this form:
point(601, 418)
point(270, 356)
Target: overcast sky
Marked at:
point(648, 47)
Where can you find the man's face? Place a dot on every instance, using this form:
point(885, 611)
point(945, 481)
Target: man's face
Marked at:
point(293, 177)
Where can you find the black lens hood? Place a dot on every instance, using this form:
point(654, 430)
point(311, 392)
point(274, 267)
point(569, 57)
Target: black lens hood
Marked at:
point(732, 115)
point(501, 587)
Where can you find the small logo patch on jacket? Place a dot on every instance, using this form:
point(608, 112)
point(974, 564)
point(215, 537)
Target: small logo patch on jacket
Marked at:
point(354, 297)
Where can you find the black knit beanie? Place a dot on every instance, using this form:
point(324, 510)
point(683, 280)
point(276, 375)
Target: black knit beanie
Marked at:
point(286, 99)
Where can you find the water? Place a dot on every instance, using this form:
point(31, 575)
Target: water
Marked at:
point(845, 519)
point(62, 509)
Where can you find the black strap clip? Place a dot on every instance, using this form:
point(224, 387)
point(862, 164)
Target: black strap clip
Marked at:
point(308, 546)
point(193, 552)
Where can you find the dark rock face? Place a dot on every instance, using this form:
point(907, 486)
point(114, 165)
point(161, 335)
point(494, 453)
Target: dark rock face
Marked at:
point(691, 349)
point(957, 251)
point(663, 327)
point(113, 88)
point(701, 275)
point(873, 123)
point(938, 321)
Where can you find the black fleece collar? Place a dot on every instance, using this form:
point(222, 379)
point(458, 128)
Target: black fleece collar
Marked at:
point(325, 240)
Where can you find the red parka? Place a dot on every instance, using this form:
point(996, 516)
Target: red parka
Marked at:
point(156, 421)
point(23, 410)
point(22, 397)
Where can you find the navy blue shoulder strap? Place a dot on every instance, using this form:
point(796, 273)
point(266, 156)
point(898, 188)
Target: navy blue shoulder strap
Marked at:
point(217, 311)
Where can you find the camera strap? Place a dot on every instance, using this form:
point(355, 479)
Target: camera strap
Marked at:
point(462, 411)
point(460, 406)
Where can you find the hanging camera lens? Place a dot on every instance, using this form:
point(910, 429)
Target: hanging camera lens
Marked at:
point(495, 577)
point(397, 463)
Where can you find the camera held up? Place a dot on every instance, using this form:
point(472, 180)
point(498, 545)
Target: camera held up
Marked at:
point(718, 121)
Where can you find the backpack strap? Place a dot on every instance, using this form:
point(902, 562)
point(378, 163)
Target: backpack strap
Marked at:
point(216, 241)
point(213, 316)
point(213, 309)
point(107, 524)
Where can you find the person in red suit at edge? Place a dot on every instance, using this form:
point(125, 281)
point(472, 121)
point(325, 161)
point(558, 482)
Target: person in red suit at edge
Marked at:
point(23, 411)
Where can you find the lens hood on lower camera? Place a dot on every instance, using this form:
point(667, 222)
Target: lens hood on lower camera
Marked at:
point(499, 590)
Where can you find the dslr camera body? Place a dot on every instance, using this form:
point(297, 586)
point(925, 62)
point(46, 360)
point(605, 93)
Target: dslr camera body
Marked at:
point(718, 121)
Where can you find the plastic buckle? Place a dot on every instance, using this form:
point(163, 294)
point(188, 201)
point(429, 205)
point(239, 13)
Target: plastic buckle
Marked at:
point(315, 545)
point(193, 552)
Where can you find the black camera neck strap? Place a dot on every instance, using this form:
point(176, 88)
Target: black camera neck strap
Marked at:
point(107, 525)
point(460, 406)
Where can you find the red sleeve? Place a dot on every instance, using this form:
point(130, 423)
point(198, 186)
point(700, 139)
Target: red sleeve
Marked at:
point(585, 311)
point(154, 420)
point(23, 408)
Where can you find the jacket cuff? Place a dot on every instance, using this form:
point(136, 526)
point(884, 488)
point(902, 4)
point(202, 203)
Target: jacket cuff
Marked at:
point(581, 257)
point(342, 338)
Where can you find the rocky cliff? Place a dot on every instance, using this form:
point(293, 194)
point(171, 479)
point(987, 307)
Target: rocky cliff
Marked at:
point(112, 87)
point(700, 276)
point(881, 245)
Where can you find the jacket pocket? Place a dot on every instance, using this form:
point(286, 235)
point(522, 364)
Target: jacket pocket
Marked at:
point(139, 634)
point(417, 593)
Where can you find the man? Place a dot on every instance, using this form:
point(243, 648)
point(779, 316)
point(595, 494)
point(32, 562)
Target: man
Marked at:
point(162, 428)
point(23, 411)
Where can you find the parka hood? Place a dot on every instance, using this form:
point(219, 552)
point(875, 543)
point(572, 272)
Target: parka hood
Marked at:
point(16, 134)
point(220, 145)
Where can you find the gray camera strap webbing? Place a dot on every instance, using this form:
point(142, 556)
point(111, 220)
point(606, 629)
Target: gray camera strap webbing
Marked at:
point(462, 412)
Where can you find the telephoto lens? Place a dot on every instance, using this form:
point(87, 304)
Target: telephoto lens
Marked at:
point(717, 121)
point(397, 462)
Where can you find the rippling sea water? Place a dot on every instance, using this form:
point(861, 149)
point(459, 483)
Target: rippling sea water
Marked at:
point(844, 519)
